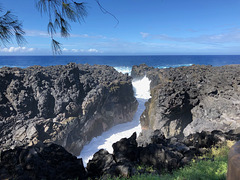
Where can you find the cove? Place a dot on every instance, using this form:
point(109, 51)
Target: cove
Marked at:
point(125, 130)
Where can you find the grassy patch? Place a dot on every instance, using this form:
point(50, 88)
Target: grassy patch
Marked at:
point(211, 166)
point(114, 88)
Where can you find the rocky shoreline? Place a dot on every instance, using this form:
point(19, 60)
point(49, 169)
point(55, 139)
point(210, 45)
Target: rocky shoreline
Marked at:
point(192, 99)
point(67, 105)
point(51, 161)
point(191, 109)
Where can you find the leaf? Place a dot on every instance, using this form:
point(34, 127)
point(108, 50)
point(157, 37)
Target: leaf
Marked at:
point(51, 29)
point(60, 13)
point(56, 47)
point(9, 27)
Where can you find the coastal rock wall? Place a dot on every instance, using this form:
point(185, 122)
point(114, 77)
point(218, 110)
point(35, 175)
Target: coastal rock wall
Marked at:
point(191, 99)
point(67, 105)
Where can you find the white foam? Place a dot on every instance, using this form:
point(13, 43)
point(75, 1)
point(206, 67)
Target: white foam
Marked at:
point(173, 66)
point(105, 141)
point(124, 69)
point(142, 88)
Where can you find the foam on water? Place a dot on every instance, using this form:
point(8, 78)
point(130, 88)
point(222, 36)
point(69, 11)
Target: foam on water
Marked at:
point(23, 67)
point(127, 69)
point(124, 69)
point(142, 88)
point(105, 141)
point(173, 66)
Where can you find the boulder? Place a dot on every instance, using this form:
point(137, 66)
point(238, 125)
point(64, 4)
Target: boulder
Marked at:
point(41, 161)
point(126, 149)
point(121, 169)
point(100, 163)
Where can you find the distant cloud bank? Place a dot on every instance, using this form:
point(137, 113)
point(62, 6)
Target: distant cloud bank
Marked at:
point(91, 50)
point(16, 50)
point(231, 36)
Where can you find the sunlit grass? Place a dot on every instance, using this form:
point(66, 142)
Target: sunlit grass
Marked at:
point(211, 166)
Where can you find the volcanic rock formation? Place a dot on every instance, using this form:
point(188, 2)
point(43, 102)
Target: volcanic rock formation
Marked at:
point(162, 154)
point(191, 99)
point(40, 161)
point(67, 105)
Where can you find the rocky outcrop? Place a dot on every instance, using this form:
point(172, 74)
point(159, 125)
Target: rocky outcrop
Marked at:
point(161, 153)
point(41, 161)
point(191, 99)
point(51, 161)
point(67, 105)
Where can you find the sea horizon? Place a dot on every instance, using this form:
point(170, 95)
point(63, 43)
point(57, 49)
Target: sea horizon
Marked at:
point(122, 63)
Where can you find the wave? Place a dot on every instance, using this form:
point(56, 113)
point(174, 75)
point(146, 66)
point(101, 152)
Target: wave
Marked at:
point(124, 130)
point(124, 69)
point(128, 69)
point(13, 66)
point(173, 66)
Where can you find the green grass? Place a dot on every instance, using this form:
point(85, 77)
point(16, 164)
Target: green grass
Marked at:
point(210, 166)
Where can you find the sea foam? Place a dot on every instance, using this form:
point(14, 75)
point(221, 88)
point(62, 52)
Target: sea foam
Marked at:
point(124, 69)
point(142, 93)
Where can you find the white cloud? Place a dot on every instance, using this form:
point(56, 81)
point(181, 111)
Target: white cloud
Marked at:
point(16, 50)
point(37, 33)
point(144, 35)
point(34, 33)
point(91, 50)
point(232, 36)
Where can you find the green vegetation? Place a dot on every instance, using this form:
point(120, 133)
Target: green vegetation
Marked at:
point(212, 165)
point(146, 168)
point(114, 88)
point(60, 13)
point(10, 26)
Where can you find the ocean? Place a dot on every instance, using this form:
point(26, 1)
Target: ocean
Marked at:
point(121, 63)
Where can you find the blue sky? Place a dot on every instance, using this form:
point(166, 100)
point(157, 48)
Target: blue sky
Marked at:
point(146, 27)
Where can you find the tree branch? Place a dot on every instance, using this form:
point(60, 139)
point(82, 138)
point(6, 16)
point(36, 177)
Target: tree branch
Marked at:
point(107, 12)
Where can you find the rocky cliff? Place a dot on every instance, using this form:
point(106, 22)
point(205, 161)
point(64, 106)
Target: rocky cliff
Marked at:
point(67, 105)
point(191, 99)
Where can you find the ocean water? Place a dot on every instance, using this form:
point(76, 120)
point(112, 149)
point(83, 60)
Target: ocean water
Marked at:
point(123, 63)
